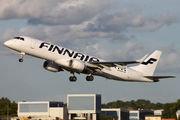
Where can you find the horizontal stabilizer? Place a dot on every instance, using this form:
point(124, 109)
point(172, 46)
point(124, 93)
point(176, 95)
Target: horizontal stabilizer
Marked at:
point(159, 77)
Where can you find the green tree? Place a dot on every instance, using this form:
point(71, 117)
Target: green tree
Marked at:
point(143, 104)
point(133, 105)
point(13, 109)
point(169, 110)
point(158, 106)
point(6, 107)
point(103, 117)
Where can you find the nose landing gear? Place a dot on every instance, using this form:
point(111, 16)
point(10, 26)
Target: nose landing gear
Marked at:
point(21, 55)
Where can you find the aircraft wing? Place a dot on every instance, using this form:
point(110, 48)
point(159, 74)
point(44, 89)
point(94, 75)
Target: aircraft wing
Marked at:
point(107, 65)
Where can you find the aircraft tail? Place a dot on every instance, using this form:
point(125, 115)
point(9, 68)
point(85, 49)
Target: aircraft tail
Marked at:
point(148, 66)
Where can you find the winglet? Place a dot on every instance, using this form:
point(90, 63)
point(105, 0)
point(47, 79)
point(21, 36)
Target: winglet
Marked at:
point(142, 59)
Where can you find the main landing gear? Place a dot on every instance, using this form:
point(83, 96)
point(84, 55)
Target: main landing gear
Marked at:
point(21, 56)
point(73, 78)
point(89, 78)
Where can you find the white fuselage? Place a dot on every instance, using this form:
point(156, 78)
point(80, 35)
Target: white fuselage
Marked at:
point(51, 52)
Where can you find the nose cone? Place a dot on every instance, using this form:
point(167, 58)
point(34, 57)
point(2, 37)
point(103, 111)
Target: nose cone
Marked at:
point(7, 43)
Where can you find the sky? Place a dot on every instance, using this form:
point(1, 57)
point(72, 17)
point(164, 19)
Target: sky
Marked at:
point(115, 30)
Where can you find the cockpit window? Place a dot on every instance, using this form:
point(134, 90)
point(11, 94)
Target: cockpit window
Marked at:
point(19, 38)
point(22, 38)
point(16, 37)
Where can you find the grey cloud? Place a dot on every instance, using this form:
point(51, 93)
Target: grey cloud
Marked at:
point(152, 23)
point(127, 19)
point(117, 22)
point(37, 32)
point(94, 13)
point(11, 9)
point(52, 12)
point(170, 60)
point(74, 13)
point(131, 51)
point(121, 37)
point(106, 23)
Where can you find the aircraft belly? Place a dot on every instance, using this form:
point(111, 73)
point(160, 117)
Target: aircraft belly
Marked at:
point(116, 74)
point(113, 74)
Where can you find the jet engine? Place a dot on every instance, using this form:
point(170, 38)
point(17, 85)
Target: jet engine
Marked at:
point(77, 65)
point(51, 66)
point(71, 65)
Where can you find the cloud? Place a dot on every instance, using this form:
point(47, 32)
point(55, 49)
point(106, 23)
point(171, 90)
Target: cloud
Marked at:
point(32, 31)
point(68, 12)
point(11, 9)
point(170, 61)
point(52, 12)
point(121, 37)
point(127, 19)
point(152, 23)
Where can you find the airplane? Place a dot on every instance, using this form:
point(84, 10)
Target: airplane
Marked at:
point(58, 59)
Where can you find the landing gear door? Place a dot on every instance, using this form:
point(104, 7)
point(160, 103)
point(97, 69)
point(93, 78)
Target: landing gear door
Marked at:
point(33, 43)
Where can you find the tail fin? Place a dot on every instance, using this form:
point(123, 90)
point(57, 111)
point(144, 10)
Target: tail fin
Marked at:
point(148, 66)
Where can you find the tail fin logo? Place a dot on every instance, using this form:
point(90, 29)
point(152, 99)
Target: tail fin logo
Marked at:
point(150, 61)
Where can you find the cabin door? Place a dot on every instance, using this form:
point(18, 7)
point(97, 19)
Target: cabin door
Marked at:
point(33, 43)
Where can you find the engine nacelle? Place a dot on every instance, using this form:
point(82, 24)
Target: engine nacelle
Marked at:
point(71, 64)
point(51, 66)
point(77, 65)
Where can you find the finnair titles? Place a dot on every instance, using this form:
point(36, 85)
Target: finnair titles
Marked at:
point(65, 51)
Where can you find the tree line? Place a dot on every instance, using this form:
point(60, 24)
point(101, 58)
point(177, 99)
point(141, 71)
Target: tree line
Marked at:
point(10, 108)
point(7, 108)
